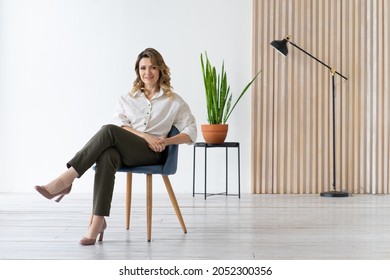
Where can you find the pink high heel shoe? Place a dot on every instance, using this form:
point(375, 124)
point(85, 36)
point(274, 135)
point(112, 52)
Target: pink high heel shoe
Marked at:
point(48, 195)
point(91, 241)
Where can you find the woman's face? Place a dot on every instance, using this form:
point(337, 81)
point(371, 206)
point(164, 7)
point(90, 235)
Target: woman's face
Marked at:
point(148, 72)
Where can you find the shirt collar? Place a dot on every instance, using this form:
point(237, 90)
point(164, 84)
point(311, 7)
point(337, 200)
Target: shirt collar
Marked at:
point(157, 95)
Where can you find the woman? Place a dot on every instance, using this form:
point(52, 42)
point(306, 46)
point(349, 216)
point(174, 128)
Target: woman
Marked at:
point(143, 119)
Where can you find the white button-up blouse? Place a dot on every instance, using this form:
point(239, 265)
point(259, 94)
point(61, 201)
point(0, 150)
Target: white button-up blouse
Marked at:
point(155, 116)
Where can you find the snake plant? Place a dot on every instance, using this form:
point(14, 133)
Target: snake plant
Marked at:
point(218, 94)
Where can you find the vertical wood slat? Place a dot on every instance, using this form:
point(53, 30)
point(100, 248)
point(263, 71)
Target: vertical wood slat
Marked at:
point(386, 89)
point(292, 105)
point(314, 93)
point(380, 98)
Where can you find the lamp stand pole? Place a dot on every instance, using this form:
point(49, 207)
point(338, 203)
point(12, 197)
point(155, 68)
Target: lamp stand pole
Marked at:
point(334, 192)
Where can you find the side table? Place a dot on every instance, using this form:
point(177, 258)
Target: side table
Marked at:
point(207, 146)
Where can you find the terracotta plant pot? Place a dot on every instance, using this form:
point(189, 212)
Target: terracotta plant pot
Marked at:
point(214, 133)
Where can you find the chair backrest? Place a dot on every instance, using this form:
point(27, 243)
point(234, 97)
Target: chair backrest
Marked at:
point(171, 154)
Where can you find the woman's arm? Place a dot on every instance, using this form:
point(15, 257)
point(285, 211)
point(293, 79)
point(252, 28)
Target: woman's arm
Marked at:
point(158, 144)
point(180, 138)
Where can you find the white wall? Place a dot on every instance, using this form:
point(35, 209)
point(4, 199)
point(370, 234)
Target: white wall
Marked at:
point(64, 63)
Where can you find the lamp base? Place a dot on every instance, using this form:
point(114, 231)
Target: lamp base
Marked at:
point(334, 194)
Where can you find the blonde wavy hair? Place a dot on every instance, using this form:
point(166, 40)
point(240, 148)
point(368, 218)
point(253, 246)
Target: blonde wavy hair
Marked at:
point(164, 81)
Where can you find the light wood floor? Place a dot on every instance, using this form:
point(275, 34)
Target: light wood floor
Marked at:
point(272, 227)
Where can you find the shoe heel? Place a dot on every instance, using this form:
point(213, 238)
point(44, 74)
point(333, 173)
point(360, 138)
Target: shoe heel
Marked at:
point(63, 193)
point(59, 198)
point(101, 236)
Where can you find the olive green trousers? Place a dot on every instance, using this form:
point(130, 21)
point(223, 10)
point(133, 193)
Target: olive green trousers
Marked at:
point(110, 148)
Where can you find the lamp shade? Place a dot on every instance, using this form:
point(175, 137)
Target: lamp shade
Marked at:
point(280, 46)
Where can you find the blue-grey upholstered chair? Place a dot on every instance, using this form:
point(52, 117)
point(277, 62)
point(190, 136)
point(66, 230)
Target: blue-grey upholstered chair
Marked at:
point(167, 168)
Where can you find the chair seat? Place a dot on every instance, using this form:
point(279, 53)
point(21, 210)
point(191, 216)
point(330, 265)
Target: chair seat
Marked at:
point(146, 169)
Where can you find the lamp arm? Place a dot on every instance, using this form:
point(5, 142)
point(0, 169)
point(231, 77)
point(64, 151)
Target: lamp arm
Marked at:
point(332, 70)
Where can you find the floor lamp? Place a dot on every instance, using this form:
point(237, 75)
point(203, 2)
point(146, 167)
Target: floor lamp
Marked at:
point(281, 46)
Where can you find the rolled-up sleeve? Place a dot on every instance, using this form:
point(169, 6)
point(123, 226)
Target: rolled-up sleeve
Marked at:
point(186, 123)
point(120, 118)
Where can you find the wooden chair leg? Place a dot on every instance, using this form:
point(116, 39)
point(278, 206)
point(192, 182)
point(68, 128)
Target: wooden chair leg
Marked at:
point(149, 205)
point(174, 202)
point(129, 183)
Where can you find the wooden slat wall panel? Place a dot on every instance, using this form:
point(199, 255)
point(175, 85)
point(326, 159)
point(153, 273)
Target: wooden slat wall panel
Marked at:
point(292, 103)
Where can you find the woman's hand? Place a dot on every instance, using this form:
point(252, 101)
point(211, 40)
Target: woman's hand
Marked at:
point(155, 143)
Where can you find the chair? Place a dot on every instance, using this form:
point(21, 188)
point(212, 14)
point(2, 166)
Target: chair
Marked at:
point(167, 168)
